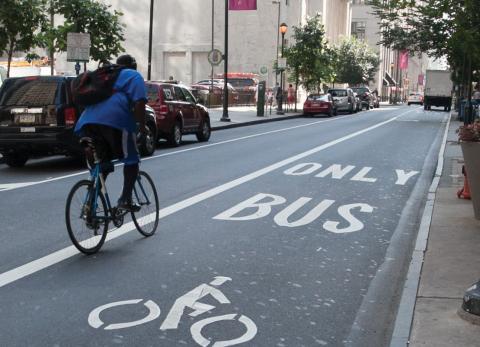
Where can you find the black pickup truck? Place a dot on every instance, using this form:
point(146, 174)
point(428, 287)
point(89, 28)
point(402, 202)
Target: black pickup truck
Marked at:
point(37, 118)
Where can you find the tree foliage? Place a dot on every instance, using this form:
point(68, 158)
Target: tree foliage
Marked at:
point(310, 58)
point(25, 24)
point(356, 62)
point(87, 16)
point(19, 23)
point(440, 28)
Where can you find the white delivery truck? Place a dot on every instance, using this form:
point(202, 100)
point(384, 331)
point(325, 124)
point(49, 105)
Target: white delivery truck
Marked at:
point(438, 89)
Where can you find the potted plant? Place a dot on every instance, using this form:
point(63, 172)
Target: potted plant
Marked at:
point(469, 137)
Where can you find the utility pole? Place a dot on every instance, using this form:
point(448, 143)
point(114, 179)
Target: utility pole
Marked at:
point(150, 32)
point(225, 117)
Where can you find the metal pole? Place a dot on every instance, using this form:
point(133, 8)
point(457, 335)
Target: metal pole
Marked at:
point(278, 41)
point(280, 104)
point(52, 50)
point(225, 73)
point(213, 46)
point(150, 32)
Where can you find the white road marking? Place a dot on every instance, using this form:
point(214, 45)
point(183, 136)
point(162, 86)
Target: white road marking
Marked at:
point(11, 186)
point(95, 321)
point(63, 254)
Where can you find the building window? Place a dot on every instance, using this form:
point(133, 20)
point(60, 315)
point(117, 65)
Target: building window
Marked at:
point(358, 30)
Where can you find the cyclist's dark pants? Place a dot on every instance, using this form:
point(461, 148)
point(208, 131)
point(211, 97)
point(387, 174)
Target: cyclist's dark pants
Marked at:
point(111, 143)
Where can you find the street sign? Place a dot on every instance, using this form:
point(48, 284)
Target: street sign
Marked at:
point(282, 63)
point(78, 47)
point(215, 57)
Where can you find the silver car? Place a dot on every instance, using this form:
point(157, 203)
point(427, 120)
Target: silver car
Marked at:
point(344, 99)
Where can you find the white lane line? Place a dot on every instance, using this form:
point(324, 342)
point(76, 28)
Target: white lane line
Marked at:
point(11, 186)
point(56, 257)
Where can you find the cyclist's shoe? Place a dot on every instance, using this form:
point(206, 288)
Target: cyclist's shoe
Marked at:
point(128, 206)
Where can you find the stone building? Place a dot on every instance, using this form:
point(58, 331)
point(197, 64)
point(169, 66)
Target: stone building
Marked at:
point(182, 34)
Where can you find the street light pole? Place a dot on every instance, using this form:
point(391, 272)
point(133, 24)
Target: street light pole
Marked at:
point(283, 30)
point(278, 38)
point(225, 117)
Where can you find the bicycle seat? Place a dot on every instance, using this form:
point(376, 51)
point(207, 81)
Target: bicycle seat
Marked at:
point(87, 142)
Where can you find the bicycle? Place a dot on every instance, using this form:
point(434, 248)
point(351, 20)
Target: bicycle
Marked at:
point(89, 211)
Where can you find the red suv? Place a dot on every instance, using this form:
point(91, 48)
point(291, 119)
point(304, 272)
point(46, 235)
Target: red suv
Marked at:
point(177, 112)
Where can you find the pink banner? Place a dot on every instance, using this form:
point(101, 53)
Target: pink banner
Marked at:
point(420, 80)
point(403, 64)
point(242, 5)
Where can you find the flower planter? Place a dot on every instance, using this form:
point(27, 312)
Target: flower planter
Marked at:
point(471, 154)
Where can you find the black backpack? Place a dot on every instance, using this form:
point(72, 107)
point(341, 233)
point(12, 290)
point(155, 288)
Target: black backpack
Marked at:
point(92, 87)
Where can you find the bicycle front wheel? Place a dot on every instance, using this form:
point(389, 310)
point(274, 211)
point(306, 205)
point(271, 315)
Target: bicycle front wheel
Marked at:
point(87, 228)
point(145, 195)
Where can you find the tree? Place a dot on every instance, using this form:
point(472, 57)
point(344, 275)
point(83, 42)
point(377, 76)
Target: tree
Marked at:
point(440, 28)
point(19, 24)
point(85, 16)
point(93, 17)
point(310, 58)
point(356, 63)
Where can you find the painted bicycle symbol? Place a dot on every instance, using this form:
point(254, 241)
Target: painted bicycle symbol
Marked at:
point(189, 300)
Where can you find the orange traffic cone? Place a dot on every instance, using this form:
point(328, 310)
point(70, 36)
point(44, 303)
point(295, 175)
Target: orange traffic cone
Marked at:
point(464, 193)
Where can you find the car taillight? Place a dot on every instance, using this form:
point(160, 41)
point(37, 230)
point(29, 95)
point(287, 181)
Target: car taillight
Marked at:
point(163, 110)
point(70, 116)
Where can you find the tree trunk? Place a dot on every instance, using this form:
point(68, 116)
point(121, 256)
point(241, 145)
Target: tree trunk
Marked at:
point(10, 55)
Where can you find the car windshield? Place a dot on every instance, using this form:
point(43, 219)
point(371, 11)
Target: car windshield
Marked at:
point(338, 92)
point(29, 91)
point(323, 97)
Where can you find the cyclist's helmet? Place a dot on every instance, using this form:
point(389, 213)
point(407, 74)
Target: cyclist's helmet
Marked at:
point(128, 61)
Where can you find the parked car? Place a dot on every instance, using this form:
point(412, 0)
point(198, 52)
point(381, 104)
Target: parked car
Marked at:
point(245, 84)
point(344, 99)
point(366, 97)
point(319, 103)
point(178, 112)
point(201, 91)
point(415, 98)
point(37, 118)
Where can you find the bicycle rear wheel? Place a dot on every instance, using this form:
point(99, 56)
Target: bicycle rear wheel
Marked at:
point(87, 230)
point(145, 194)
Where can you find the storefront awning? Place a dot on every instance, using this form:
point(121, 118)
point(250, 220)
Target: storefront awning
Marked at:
point(390, 80)
point(385, 82)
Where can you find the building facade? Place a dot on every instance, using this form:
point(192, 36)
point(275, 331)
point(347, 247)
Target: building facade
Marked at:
point(182, 34)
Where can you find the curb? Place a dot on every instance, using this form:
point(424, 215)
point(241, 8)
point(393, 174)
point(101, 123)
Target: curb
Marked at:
point(253, 122)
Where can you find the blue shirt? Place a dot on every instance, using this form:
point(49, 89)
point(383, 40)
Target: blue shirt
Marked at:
point(116, 111)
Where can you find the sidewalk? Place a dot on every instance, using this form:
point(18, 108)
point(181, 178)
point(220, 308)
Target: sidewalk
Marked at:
point(247, 115)
point(451, 261)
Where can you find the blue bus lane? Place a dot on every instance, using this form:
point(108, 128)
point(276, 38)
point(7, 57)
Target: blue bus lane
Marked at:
point(285, 259)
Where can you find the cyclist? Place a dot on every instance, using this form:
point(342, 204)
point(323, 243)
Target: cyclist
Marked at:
point(112, 124)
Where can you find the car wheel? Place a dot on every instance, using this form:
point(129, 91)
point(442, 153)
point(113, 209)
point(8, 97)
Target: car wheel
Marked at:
point(175, 138)
point(204, 131)
point(15, 159)
point(147, 148)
